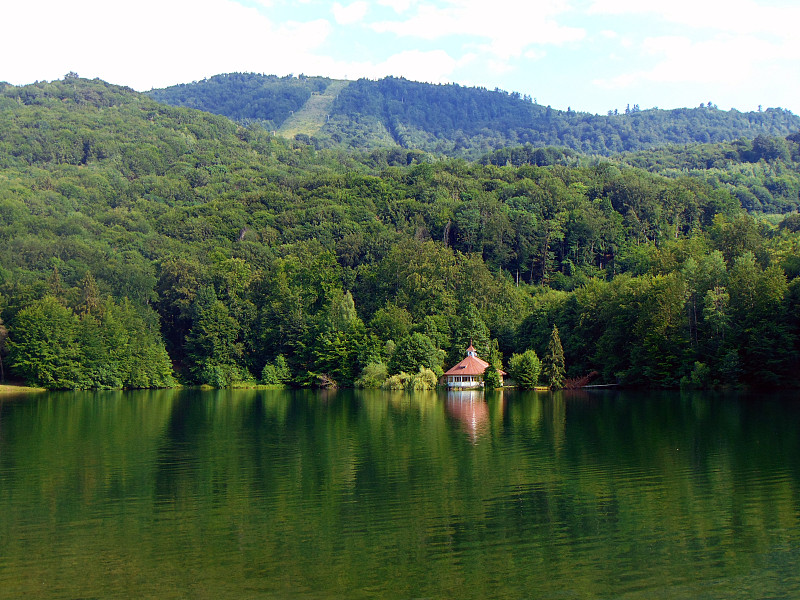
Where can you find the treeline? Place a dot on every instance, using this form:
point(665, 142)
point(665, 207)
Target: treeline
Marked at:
point(468, 122)
point(267, 260)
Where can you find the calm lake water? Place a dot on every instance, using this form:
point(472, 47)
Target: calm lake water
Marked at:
point(272, 494)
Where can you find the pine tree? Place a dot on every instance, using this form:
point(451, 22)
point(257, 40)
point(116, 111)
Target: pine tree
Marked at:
point(553, 367)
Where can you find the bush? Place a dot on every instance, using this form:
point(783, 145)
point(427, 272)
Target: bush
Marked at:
point(425, 379)
point(524, 369)
point(372, 376)
point(699, 378)
point(276, 373)
point(396, 382)
point(491, 378)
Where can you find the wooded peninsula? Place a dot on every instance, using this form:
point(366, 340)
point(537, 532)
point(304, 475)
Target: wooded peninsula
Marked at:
point(146, 245)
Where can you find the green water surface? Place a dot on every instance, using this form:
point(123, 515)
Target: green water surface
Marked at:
point(297, 494)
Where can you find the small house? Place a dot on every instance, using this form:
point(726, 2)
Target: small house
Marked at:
point(469, 372)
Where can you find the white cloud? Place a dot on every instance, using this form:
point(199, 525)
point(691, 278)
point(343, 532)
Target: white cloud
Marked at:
point(350, 14)
point(161, 43)
point(435, 66)
point(722, 61)
point(535, 54)
point(731, 16)
point(508, 26)
point(731, 51)
point(744, 47)
point(399, 6)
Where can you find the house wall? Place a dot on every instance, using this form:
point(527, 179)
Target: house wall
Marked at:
point(465, 382)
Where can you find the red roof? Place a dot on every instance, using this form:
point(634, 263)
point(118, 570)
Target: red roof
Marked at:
point(471, 365)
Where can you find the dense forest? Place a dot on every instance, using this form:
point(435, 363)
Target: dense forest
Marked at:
point(144, 243)
point(462, 121)
point(245, 97)
point(763, 174)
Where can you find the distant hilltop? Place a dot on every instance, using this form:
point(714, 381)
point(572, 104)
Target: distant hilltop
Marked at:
point(455, 120)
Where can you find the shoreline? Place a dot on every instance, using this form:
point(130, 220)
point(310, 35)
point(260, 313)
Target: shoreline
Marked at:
point(6, 389)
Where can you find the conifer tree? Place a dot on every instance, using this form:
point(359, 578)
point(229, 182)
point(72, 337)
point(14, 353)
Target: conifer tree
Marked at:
point(553, 367)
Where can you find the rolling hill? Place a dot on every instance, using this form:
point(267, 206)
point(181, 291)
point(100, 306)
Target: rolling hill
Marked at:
point(458, 121)
point(137, 238)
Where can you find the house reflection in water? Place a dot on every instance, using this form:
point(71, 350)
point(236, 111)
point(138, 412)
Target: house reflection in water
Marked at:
point(470, 408)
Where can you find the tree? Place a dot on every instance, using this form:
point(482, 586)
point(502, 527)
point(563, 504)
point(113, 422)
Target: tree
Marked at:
point(43, 345)
point(391, 322)
point(372, 376)
point(491, 376)
point(553, 364)
point(212, 342)
point(415, 351)
point(3, 338)
point(277, 372)
point(525, 368)
point(90, 296)
point(471, 329)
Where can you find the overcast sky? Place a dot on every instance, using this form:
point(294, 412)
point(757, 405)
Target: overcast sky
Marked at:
point(590, 55)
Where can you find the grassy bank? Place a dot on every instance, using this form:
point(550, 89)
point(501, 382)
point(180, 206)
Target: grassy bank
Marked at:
point(19, 389)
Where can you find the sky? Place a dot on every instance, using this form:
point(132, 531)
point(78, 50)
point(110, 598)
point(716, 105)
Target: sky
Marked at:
point(587, 55)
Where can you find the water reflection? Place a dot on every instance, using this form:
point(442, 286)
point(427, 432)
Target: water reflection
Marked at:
point(469, 407)
point(232, 494)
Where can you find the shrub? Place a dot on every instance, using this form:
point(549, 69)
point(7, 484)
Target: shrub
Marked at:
point(524, 369)
point(276, 373)
point(372, 376)
point(424, 379)
point(396, 382)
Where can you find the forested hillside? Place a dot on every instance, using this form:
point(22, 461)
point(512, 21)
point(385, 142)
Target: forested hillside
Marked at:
point(135, 236)
point(466, 122)
point(763, 174)
point(245, 97)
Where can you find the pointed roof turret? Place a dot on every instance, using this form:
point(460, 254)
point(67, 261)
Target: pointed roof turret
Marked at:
point(471, 365)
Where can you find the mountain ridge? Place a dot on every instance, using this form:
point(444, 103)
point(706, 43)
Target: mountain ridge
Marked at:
point(467, 122)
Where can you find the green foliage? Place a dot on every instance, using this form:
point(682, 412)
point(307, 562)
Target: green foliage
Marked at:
point(414, 352)
point(399, 381)
point(44, 349)
point(277, 372)
point(491, 376)
point(372, 376)
point(553, 363)
point(699, 378)
point(761, 174)
point(3, 342)
point(212, 344)
point(470, 329)
point(116, 349)
point(391, 322)
point(245, 96)
point(140, 220)
point(424, 379)
point(524, 369)
point(469, 122)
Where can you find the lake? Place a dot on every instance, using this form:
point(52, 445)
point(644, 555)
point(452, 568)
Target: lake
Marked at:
point(300, 494)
